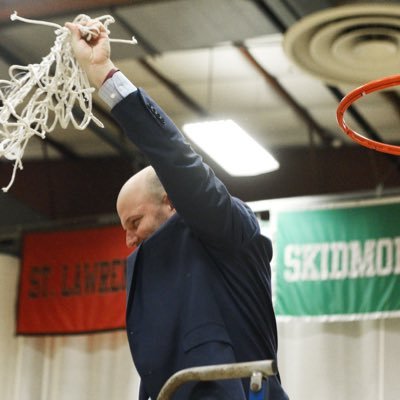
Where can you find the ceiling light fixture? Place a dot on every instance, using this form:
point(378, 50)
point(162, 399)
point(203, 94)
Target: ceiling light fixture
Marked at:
point(231, 147)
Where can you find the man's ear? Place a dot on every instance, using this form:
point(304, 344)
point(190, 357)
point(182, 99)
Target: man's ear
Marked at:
point(166, 200)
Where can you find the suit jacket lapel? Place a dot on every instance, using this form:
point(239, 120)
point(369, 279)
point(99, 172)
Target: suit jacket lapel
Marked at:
point(130, 269)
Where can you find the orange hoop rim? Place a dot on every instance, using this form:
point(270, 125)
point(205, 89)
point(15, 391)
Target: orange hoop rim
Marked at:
point(354, 95)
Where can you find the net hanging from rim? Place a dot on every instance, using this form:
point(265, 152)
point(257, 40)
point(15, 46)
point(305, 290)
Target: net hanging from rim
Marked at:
point(38, 97)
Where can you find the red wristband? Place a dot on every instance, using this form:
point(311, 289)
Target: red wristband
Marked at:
point(110, 74)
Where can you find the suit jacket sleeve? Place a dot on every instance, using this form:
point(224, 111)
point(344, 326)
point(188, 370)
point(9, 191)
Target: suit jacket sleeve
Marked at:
point(199, 197)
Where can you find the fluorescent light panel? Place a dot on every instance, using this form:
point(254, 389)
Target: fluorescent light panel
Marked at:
point(231, 147)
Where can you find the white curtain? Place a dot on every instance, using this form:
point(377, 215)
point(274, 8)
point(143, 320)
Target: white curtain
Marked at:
point(318, 361)
point(340, 360)
point(82, 367)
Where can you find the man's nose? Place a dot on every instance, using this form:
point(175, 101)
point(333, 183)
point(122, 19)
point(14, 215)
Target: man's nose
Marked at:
point(130, 239)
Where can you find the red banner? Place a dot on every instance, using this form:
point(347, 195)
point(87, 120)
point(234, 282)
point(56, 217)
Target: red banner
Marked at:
point(72, 281)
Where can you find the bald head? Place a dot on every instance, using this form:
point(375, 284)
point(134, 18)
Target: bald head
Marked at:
point(152, 183)
point(144, 183)
point(143, 205)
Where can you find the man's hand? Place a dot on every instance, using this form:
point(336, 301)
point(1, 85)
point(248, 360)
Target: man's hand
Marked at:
point(94, 55)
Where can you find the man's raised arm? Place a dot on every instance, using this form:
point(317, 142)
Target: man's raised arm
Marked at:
point(196, 193)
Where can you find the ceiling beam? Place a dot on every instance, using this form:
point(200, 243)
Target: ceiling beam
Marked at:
point(394, 98)
point(270, 14)
point(326, 137)
point(172, 86)
point(175, 89)
point(144, 43)
point(48, 8)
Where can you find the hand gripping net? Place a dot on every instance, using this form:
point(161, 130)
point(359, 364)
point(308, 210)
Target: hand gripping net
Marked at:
point(39, 96)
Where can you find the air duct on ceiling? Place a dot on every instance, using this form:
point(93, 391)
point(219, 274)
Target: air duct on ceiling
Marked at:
point(348, 44)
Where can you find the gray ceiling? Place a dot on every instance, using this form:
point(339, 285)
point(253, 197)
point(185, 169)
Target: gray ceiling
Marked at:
point(203, 59)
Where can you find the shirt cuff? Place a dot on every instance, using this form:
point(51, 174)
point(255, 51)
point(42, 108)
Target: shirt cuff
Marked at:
point(115, 89)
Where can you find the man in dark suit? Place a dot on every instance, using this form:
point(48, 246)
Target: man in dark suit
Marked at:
point(199, 281)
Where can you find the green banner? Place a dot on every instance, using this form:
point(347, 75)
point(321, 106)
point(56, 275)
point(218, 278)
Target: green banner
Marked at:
point(338, 264)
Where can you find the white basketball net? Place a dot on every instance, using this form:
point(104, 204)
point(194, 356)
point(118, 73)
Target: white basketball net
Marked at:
point(38, 97)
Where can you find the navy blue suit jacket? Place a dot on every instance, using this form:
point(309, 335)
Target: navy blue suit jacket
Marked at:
point(198, 289)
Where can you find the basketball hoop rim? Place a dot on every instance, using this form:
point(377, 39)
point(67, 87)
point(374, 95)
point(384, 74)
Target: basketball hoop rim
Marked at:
point(351, 98)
